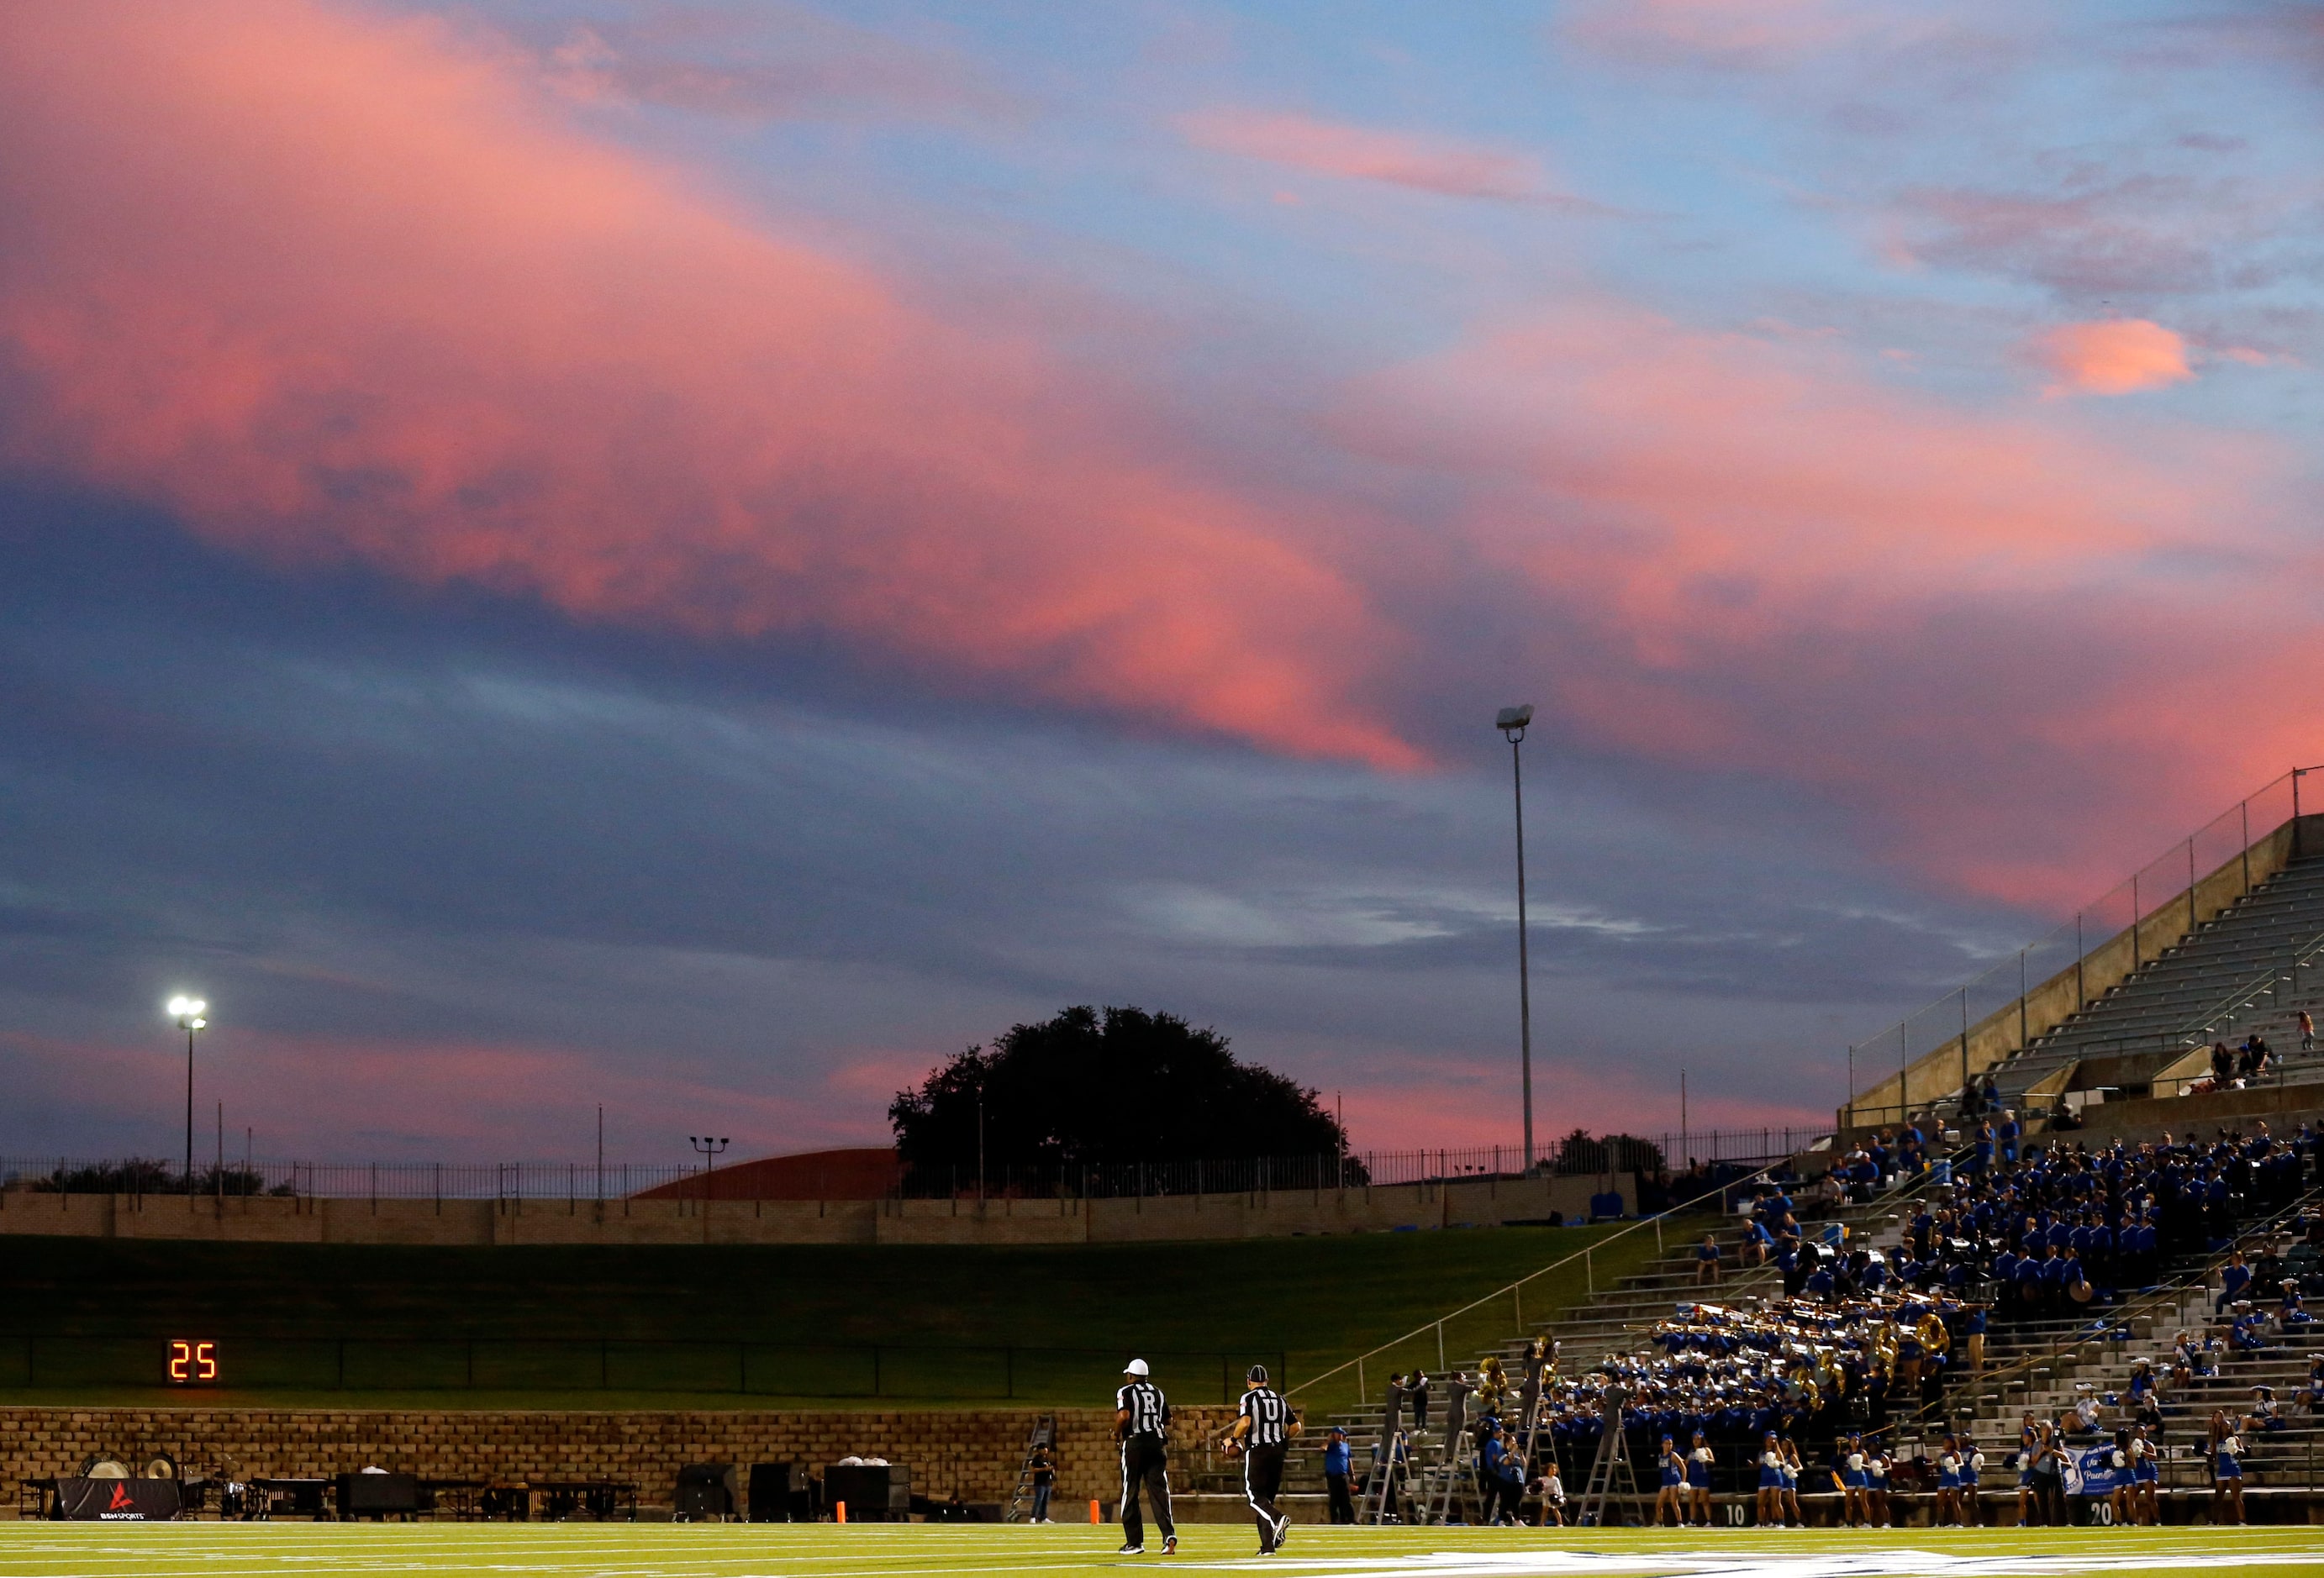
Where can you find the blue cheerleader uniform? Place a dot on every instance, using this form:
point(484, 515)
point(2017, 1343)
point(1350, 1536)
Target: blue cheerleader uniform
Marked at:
point(1698, 1472)
point(2224, 1466)
point(1771, 1470)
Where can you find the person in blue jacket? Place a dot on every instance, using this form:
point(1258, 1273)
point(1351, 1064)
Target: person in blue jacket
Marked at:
point(1335, 1476)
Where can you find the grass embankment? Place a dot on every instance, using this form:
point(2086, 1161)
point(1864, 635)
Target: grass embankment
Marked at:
point(86, 1322)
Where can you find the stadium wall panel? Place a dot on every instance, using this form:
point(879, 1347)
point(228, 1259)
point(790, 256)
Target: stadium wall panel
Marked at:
point(1477, 1202)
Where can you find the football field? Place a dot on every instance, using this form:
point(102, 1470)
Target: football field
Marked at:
point(280, 1550)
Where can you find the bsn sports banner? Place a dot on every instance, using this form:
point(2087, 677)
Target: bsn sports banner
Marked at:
point(2092, 1472)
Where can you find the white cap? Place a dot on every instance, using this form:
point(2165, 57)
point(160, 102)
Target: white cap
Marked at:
point(1135, 1367)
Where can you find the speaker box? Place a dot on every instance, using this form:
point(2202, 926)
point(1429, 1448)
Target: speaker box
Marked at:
point(705, 1490)
point(775, 1487)
point(873, 1492)
point(378, 1495)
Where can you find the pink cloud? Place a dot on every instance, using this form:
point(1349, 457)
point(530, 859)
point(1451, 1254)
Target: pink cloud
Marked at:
point(769, 63)
point(1753, 33)
point(334, 288)
point(2117, 357)
point(1399, 158)
point(341, 290)
point(1753, 554)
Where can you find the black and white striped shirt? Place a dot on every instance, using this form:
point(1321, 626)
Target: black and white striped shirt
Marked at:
point(1142, 1401)
point(1269, 1414)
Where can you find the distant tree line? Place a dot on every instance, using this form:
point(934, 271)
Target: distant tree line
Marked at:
point(1581, 1153)
point(138, 1176)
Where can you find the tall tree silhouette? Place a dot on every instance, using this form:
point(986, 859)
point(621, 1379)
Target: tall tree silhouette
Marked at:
point(1094, 1086)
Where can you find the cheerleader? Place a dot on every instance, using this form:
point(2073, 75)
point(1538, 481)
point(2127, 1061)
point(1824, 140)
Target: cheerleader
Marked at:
point(1876, 1487)
point(1972, 1474)
point(1792, 1469)
point(1949, 1479)
point(1698, 1480)
point(2025, 1444)
point(1553, 1497)
point(2121, 1498)
point(1771, 1482)
point(2226, 1472)
point(1855, 1503)
point(2145, 1475)
point(1674, 1467)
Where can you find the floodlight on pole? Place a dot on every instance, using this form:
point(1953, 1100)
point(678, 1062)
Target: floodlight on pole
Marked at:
point(704, 1145)
point(1512, 721)
point(188, 1013)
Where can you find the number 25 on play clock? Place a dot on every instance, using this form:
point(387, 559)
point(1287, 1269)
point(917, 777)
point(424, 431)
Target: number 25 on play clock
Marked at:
point(192, 1362)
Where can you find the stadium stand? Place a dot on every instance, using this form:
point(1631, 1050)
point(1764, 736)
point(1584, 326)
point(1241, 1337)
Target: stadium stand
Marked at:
point(1865, 1325)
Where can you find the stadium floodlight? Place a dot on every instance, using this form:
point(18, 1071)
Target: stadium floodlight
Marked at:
point(706, 1146)
point(1512, 721)
point(188, 1012)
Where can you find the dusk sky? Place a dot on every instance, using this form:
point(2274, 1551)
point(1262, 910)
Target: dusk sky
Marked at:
point(705, 557)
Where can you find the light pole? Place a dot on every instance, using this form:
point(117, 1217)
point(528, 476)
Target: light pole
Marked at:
point(704, 1145)
point(1512, 721)
point(188, 1012)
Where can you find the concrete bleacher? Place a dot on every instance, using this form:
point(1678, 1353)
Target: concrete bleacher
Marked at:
point(2036, 1366)
point(2248, 968)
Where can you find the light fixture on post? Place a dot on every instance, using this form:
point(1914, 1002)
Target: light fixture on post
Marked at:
point(704, 1145)
point(1512, 721)
point(188, 1013)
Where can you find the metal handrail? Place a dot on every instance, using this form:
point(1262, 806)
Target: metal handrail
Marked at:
point(1902, 1192)
point(2260, 985)
point(1515, 1291)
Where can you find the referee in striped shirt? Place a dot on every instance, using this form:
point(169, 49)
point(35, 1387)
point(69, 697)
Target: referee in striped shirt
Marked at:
point(1263, 1432)
point(1140, 1416)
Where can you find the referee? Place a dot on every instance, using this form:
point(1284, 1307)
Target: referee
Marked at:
point(1140, 1416)
point(1263, 1432)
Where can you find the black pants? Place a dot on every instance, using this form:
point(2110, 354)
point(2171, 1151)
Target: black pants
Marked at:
point(1144, 1463)
point(1344, 1509)
point(1262, 1476)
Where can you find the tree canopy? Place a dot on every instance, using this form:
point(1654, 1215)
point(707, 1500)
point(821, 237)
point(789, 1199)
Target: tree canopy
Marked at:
point(1095, 1087)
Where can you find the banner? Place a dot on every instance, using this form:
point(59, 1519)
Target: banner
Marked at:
point(117, 1501)
point(2090, 1472)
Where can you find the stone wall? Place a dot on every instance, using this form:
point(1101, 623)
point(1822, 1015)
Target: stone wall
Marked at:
point(976, 1451)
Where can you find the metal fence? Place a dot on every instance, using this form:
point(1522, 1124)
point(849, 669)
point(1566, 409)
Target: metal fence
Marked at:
point(2120, 920)
point(38, 1361)
point(1575, 1155)
point(344, 1180)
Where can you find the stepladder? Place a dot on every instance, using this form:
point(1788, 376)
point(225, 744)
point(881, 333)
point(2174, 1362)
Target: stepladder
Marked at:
point(1610, 1470)
point(1041, 1438)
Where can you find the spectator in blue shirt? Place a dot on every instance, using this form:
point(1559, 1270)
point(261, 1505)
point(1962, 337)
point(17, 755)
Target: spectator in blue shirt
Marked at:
point(2232, 1282)
point(1335, 1476)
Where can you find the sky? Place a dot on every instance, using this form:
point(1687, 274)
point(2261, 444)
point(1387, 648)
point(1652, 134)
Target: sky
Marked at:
point(700, 558)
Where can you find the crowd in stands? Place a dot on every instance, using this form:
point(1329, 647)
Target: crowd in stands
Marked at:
point(1802, 1391)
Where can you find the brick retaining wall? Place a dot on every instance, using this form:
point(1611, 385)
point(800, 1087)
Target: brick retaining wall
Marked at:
point(978, 1451)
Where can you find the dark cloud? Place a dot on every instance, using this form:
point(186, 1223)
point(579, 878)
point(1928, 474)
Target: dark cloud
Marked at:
point(353, 815)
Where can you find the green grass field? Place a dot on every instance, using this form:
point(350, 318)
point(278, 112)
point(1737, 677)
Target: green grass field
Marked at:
point(398, 1326)
point(911, 1551)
